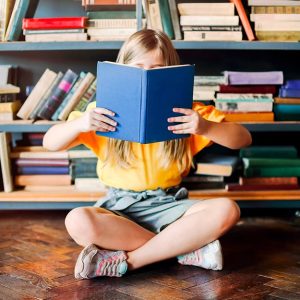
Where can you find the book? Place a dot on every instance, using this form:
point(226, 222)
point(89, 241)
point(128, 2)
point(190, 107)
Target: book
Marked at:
point(56, 37)
point(54, 23)
point(209, 20)
point(244, 78)
point(287, 112)
point(216, 164)
point(273, 2)
point(244, 19)
point(248, 97)
point(42, 180)
point(277, 26)
point(269, 152)
point(14, 27)
point(57, 97)
point(282, 36)
point(274, 17)
point(5, 162)
point(37, 93)
point(32, 170)
point(9, 89)
point(87, 97)
point(175, 19)
point(5, 13)
point(148, 95)
point(40, 162)
point(212, 35)
point(289, 92)
point(211, 28)
point(249, 117)
point(39, 154)
point(110, 7)
point(206, 9)
point(268, 180)
point(166, 18)
point(286, 100)
point(48, 31)
point(103, 14)
point(89, 185)
point(154, 14)
point(271, 162)
point(244, 106)
point(113, 23)
point(253, 89)
point(292, 84)
point(7, 116)
point(275, 9)
point(13, 106)
point(260, 187)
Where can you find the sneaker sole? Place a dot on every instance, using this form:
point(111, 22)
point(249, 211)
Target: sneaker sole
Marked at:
point(79, 266)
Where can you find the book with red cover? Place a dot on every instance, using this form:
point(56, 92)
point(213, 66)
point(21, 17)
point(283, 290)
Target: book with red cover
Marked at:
point(54, 23)
point(260, 187)
point(253, 89)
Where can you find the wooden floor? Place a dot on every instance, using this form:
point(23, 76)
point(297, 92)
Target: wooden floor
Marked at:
point(262, 261)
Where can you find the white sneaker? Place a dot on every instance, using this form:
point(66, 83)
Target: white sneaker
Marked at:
point(208, 257)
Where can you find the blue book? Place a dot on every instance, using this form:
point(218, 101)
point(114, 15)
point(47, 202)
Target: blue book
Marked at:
point(143, 100)
point(43, 170)
point(289, 93)
point(292, 84)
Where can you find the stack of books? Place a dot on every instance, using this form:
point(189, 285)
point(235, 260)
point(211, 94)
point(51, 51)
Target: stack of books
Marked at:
point(56, 94)
point(268, 168)
point(287, 105)
point(248, 96)
point(205, 87)
point(54, 29)
point(276, 20)
point(209, 22)
point(110, 19)
point(9, 103)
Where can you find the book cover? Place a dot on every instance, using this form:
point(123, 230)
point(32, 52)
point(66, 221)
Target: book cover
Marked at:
point(287, 100)
point(292, 36)
point(268, 180)
point(244, 106)
point(273, 2)
point(269, 151)
point(275, 9)
point(285, 92)
point(206, 9)
point(46, 162)
point(245, 78)
point(143, 99)
point(244, 19)
point(250, 162)
point(260, 187)
point(166, 18)
point(217, 164)
point(43, 180)
point(249, 117)
point(292, 84)
point(34, 170)
point(175, 19)
point(287, 112)
point(104, 14)
point(253, 89)
point(209, 20)
point(5, 162)
point(212, 35)
point(54, 23)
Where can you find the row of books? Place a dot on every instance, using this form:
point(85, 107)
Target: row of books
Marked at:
point(276, 21)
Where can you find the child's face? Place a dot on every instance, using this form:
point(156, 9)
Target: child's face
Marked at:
point(150, 60)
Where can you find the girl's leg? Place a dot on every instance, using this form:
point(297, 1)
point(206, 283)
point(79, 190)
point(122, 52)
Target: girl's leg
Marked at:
point(93, 225)
point(203, 223)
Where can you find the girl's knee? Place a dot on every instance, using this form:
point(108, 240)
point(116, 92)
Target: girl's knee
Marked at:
point(229, 213)
point(80, 224)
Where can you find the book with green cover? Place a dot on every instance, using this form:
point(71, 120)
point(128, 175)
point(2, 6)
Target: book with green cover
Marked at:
point(166, 18)
point(269, 151)
point(271, 162)
point(272, 172)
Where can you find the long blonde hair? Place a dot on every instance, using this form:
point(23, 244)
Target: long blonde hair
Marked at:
point(178, 150)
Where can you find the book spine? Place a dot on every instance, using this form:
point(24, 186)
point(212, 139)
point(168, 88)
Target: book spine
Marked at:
point(90, 92)
point(143, 109)
point(289, 93)
point(57, 97)
point(287, 112)
point(260, 187)
point(5, 162)
point(175, 19)
point(111, 15)
point(272, 172)
point(211, 28)
point(268, 180)
point(275, 9)
point(34, 170)
point(292, 84)
point(245, 106)
point(166, 18)
point(254, 89)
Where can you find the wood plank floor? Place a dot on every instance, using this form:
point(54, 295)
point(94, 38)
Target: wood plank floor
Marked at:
point(262, 261)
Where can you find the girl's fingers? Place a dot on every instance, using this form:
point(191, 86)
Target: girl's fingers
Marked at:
point(101, 110)
point(185, 111)
point(101, 125)
point(179, 119)
point(184, 126)
point(104, 119)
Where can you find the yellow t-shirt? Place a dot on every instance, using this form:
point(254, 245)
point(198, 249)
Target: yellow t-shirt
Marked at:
point(147, 172)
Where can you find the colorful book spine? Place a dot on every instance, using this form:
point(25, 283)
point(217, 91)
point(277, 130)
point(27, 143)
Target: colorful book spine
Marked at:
point(272, 171)
point(34, 170)
point(289, 93)
point(87, 97)
point(254, 89)
point(269, 152)
point(68, 97)
point(293, 84)
point(249, 117)
point(166, 18)
point(54, 23)
point(287, 112)
point(57, 97)
point(260, 187)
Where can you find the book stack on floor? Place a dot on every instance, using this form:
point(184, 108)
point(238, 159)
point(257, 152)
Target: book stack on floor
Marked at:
point(212, 170)
point(55, 95)
point(287, 105)
point(83, 163)
point(276, 20)
point(209, 22)
point(205, 87)
point(9, 103)
point(268, 168)
point(54, 29)
point(110, 19)
point(248, 96)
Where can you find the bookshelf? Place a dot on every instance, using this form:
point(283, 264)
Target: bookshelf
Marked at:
point(210, 58)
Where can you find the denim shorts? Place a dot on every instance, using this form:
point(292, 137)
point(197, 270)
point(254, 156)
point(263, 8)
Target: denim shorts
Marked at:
point(152, 209)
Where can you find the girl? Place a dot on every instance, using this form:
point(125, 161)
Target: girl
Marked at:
point(144, 219)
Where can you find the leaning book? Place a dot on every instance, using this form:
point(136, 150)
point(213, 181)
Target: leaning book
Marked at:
point(143, 100)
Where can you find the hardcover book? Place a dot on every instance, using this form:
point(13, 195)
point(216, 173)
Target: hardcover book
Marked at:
point(143, 99)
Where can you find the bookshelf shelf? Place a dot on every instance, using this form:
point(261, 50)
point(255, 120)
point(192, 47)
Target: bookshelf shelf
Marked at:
point(115, 45)
point(69, 198)
point(253, 127)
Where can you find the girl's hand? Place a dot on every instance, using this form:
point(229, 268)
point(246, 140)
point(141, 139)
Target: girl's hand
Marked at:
point(97, 120)
point(191, 122)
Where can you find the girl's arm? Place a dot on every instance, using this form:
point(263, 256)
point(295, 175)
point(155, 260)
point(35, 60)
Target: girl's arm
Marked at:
point(62, 136)
point(231, 135)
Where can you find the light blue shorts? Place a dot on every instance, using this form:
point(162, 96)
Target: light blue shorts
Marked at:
point(152, 209)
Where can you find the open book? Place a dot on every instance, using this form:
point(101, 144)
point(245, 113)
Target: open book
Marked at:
point(143, 99)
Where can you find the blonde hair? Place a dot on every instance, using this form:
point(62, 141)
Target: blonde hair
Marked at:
point(178, 150)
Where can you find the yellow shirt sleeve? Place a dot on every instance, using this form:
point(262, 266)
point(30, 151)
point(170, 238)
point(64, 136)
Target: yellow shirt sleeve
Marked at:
point(89, 139)
point(208, 112)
